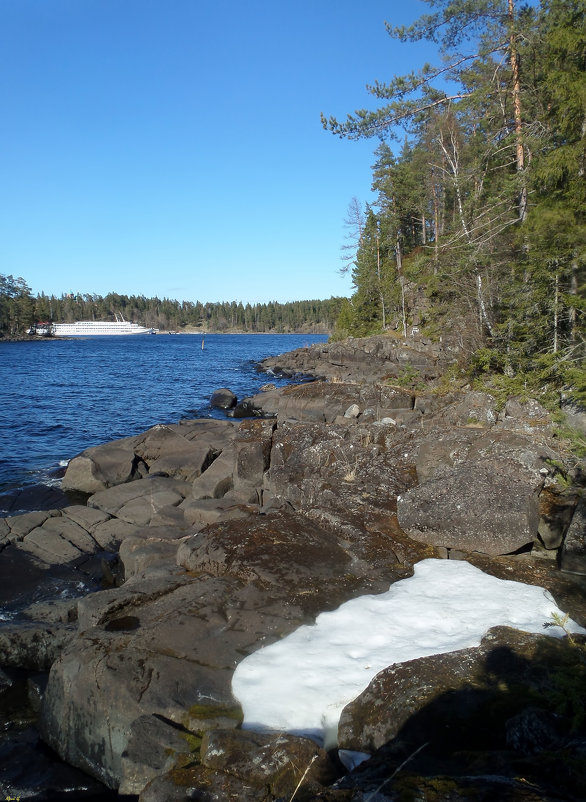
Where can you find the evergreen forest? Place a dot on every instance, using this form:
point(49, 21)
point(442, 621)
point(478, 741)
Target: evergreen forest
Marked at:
point(19, 309)
point(477, 231)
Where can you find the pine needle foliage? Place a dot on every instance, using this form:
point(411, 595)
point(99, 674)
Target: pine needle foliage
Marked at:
point(479, 232)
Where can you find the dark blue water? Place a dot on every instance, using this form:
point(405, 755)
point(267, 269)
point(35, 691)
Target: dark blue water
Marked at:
point(61, 396)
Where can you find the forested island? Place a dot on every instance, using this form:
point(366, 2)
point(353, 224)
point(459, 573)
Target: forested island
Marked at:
point(19, 309)
point(478, 227)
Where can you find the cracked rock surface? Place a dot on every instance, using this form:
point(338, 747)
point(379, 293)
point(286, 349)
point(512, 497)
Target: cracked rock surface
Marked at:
point(203, 541)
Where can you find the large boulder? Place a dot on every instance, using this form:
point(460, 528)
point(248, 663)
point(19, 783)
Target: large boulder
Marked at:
point(166, 451)
point(223, 399)
point(103, 466)
point(514, 702)
point(488, 506)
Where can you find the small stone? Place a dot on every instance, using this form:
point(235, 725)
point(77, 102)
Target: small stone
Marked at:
point(353, 411)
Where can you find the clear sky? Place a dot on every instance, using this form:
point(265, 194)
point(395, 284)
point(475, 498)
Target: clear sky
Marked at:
point(174, 147)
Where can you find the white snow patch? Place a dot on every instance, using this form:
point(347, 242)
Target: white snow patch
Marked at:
point(302, 683)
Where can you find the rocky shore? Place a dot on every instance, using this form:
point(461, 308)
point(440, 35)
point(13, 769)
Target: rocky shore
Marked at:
point(200, 542)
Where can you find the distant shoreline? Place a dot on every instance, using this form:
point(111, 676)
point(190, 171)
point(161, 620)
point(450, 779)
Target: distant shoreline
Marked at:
point(42, 338)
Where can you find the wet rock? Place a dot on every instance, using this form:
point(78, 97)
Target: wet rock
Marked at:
point(28, 770)
point(37, 497)
point(17, 527)
point(223, 399)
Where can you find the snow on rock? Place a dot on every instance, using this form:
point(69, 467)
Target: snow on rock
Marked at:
point(302, 683)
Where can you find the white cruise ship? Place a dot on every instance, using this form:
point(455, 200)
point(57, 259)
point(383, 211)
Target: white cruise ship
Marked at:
point(93, 328)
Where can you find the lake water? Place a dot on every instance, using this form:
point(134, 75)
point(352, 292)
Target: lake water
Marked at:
point(61, 396)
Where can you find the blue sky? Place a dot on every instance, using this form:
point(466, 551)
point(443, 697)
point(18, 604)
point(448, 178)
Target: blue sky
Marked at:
point(174, 147)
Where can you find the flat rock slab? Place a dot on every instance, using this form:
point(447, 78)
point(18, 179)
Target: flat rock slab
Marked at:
point(138, 502)
point(369, 359)
point(168, 645)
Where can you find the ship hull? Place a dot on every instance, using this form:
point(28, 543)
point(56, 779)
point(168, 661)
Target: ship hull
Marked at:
point(93, 328)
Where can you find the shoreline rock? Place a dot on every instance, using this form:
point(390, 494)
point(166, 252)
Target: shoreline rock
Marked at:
point(212, 538)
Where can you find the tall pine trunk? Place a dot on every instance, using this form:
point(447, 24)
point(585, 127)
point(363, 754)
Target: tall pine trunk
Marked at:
point(516, 90)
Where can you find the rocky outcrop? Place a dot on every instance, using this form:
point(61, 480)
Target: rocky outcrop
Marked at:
point(370, 359)
point(454, 718)
point(205, 540)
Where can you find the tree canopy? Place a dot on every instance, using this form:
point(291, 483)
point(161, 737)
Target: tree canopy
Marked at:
point(478, 229)
point(19, 309)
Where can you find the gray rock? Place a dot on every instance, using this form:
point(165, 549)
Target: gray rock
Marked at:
point(153, 748)
point(477, 506)
point(112, 532)
point(278, 761)
point(223, 399)
point(18, 526)
point(50, 547)
point(573, 556)
point(443, 699)
point(33, 645)
point(218, 479)
point(137, 502)
point(86, 517)
point(198, 513)
point(353, 411)
point(102, 466)
point(167, 452)
point(555, 514)
point(530, 410)
point(140, 556)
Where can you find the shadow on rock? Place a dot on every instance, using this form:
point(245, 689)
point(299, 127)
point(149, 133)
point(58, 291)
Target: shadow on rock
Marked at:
point(511, 727)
